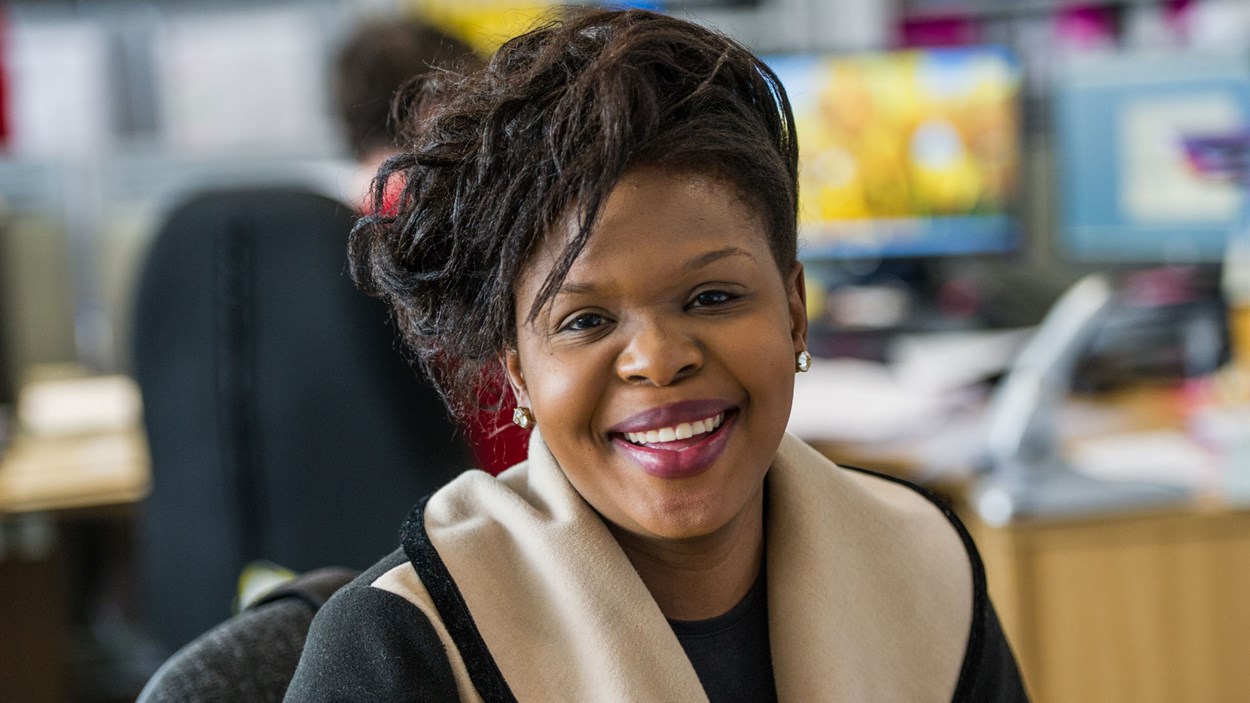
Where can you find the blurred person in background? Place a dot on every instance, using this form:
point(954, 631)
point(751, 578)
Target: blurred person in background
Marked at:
point(375, 61)
point(311, 419)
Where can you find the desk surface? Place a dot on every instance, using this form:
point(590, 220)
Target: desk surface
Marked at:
point(39, 474)
point(945, 452)
point(43, 475)
point(1137, 606)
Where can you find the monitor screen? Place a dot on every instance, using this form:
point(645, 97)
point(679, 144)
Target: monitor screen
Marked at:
point(1129, 191)
point(911, 153)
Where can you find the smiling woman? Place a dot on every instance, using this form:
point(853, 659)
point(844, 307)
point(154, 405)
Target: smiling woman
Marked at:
point(602, 222)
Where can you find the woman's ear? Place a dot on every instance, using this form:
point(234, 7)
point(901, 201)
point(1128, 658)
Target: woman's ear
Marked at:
point(516, 377)
point(796, 289)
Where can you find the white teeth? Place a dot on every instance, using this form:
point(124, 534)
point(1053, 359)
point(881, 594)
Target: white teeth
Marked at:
point(684, 430)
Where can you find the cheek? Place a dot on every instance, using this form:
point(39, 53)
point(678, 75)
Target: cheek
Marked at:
point(762, 348)
point(762, 359)
point(564, 392)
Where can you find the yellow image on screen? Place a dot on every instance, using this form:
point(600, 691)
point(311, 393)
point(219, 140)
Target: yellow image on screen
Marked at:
point(891, 142)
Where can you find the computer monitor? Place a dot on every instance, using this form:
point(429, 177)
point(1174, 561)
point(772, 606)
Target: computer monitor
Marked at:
point(1128, 192)
point(911, 153)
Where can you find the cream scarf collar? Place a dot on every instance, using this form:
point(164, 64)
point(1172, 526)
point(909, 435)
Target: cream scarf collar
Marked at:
point(869, 588)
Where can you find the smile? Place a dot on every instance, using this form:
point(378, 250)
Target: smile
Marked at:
point(680, 450)
point(683, 430)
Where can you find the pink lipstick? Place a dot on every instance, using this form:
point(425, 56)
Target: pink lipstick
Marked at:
point(676, 441)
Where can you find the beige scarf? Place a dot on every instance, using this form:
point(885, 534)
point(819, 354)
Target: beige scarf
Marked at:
point(869, 588)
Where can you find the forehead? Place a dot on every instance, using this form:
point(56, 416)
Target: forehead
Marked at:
point(679, 209)
point(644, 196)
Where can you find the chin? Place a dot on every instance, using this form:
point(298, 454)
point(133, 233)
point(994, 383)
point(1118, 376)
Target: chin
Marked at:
point(687, 517)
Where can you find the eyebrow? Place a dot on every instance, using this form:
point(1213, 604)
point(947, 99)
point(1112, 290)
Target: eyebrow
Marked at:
point(697, 262)
point(704, 259)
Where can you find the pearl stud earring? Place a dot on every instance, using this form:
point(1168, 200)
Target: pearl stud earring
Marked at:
point(803, 361)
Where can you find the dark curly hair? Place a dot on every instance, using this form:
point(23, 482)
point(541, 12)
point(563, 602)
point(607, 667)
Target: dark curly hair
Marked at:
point(496, 159)
point(374, 63)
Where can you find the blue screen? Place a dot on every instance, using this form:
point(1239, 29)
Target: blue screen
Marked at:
point(1127, 192)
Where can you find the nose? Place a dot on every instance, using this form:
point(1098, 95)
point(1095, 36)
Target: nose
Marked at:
point(659, 353)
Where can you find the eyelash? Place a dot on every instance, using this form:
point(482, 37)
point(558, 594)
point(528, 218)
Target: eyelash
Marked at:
point(723, 298)
point(578, 323)
point(572, 325)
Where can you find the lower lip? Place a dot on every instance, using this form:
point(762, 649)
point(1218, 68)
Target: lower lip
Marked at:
point(680, 463)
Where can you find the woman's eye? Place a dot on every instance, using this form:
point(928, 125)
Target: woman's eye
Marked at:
point(710, 298)
point(585, 321)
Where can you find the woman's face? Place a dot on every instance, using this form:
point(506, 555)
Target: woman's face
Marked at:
point(662, 373)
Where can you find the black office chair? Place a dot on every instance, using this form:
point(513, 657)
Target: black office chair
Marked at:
point(284, 422)
point(251, 657)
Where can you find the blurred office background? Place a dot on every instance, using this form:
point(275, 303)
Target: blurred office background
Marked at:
point(965, 163)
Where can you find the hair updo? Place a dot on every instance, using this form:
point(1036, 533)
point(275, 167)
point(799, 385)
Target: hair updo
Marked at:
point(494, 160)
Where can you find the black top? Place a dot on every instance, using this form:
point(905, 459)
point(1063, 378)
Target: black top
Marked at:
point(730, 652)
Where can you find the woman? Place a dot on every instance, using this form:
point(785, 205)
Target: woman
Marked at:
point(606, 215)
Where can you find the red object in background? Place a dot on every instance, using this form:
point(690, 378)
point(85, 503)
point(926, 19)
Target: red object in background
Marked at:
point(497, 443)
point(4, 78)
point(959, 298)
point(945, 30)
point(1084, 26)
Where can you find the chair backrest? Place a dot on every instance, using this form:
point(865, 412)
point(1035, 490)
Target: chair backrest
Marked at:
point(251, 657)
point(283, 420)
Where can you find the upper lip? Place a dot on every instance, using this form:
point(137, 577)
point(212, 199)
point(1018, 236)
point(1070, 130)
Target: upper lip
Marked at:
point(670, 415)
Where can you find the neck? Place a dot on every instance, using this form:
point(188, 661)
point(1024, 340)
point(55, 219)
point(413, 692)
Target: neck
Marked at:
point(703, 577)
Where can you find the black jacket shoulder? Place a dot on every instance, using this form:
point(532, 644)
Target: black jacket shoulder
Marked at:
point(368, 644)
